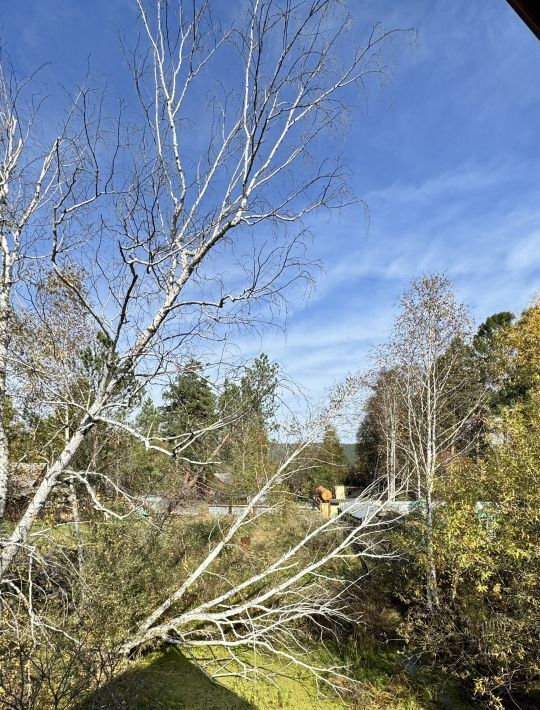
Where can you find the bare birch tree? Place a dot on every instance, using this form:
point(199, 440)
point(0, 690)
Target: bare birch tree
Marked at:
point(34, 180)
point(19, 200)
point(170, 231)
point(431, 387)
point(185, 190)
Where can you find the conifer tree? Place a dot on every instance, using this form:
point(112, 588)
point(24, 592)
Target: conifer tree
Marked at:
point(333, 463)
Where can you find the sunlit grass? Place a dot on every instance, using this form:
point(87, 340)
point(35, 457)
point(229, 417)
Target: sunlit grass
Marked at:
point(168, 680)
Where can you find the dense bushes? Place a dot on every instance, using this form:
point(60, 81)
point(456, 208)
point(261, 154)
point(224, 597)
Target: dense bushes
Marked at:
point(486, 528)
point(129, 567)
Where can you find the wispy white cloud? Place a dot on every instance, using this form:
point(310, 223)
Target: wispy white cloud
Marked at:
point(490, 247)
point(446, 158)
point(524, 254)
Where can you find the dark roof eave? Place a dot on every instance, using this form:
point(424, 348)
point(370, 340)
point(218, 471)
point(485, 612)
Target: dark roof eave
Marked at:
point(529, 11)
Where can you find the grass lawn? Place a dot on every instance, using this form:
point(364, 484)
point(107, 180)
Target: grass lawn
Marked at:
point(169, 681)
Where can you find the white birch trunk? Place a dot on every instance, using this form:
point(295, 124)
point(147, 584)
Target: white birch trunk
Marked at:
point(74, 503)
point(4, 452)
point(4, 342)
point(44, 490)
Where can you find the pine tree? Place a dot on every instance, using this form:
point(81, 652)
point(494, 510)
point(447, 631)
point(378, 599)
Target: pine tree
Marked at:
point(190, 402)
point(253, 402)
point(333, 463)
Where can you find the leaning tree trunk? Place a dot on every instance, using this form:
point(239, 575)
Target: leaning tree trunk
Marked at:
point(392, 462)
point(44, 490)
point(72, 494)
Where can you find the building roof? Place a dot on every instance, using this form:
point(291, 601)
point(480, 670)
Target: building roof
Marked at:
point(529, 11)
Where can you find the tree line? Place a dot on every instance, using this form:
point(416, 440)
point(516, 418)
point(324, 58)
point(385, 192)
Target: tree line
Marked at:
point(451, 422)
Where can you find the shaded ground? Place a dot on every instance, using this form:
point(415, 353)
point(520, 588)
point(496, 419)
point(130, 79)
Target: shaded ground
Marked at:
point(166, 681)
point(169, 681)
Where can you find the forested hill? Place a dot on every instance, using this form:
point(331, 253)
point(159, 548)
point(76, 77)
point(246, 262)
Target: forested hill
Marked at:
point(277, 449)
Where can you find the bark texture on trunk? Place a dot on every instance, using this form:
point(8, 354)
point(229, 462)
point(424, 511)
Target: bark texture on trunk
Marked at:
point(4, 450)
point(48, 484)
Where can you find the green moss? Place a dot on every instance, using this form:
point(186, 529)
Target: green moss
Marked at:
point(169, 681)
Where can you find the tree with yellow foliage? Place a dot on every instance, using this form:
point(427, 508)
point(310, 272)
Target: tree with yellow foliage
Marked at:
point(487, 539)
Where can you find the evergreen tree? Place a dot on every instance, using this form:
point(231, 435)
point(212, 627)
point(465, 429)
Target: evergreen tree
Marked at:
point(367, 448)
point(149, 419)
point(485, 339)
point(190, 404)
point(333, 464)
point(251, 405)
point(488, 353)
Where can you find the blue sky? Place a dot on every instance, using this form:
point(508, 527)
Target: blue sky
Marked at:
point(446, 157)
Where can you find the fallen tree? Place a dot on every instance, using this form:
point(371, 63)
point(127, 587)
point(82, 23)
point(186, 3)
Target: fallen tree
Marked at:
point(150, 240)
point(166, 244)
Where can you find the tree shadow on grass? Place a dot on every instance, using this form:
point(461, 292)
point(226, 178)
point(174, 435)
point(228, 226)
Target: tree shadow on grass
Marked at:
point(165, 681)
